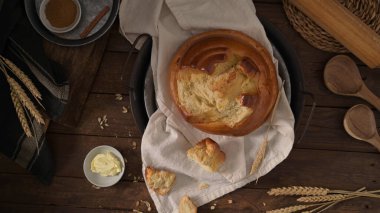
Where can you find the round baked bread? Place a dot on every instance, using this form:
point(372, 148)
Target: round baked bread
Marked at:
point(223, 82)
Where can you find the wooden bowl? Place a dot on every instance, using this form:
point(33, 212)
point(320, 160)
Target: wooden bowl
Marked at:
point(202, 55)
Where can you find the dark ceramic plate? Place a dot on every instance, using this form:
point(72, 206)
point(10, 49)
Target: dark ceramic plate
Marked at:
point(89, 10)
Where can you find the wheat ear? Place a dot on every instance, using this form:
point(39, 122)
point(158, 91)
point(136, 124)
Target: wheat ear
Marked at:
point(323, 198)
point(24, 99)
point(23, 78)
point(21, 114)
point(263, 147)
point(259, 156)
point(299, 190)
point(290, 209)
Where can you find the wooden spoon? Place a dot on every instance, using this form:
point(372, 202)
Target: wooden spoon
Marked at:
point(359, 122)
point(342, 77)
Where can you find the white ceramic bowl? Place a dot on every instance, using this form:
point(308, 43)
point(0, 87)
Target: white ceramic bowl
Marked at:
point(53, 29)
point(95, 178)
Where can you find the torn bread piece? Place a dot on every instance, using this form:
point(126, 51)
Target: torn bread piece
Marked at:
point(187, 206)
point(159, 180)
point(207, 154)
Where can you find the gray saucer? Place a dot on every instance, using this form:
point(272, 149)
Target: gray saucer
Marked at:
point(90, 8)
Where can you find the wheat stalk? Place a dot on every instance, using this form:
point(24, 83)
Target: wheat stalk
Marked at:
point(263, 147)
point(24, 99)
point(21, 114)
point(323, 198)
point(259, 157)
point(23, 78)
point(299, 190)
point(290, 209)
point(19, 98)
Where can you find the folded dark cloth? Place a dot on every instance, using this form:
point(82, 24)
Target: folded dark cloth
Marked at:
point(21, 44)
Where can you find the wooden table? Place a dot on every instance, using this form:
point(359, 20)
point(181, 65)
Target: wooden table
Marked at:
point(326, 157)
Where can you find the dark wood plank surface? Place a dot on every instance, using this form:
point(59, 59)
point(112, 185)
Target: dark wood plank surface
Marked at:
point(81, 65)
point(327, 156)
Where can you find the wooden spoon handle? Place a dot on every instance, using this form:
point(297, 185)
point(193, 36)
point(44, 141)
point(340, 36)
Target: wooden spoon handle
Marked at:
point(375, 141)
point(367, 95)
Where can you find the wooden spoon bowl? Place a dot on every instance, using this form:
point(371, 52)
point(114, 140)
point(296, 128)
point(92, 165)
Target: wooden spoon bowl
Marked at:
point(360, 123)
point(342, 77)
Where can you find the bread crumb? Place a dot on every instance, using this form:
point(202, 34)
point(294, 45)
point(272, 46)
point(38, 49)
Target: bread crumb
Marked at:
point(186, 205)
point(230, 201)
point(202, 186)
point(212, 207)
point(264, 204)
point(95, 187)
point(118, 97)
point(147, 204)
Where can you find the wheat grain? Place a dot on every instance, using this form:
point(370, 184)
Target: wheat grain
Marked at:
point(323, 198)
point(23, 78)
point(24, 99)
point(290, 209)
point(21, 114)
point(298, 190)
point(118, 97)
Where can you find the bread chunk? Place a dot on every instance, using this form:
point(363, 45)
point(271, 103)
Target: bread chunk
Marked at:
point(186, 205)
point(207, 154)
point(216, 97)
point(159, 180)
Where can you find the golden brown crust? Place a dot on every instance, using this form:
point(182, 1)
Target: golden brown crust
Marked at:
point(159, 180)
point(201, 53)
point(207, 154)
point(186, 205)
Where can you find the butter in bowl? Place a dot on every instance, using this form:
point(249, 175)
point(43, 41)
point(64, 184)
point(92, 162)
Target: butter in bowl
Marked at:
point(103, 166)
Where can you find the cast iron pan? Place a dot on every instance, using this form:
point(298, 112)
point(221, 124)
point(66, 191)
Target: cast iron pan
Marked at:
point(142, 95)
point(31, 12)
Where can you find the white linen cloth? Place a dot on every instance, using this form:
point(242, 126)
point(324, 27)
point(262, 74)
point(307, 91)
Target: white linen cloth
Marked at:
point(168, 136)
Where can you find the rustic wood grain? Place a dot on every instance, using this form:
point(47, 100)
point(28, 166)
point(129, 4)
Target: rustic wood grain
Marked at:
point(114, 73)
point(120, 124)
point(347, 170)
point(67, 191)
point(327, 156)
point(117, 42)
point(326, 131)
point(74, 193)
point(328, 121)
point(17, 207)
point(313, 62)
point(81, 65)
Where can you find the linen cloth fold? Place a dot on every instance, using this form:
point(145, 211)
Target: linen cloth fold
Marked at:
point(168, 136)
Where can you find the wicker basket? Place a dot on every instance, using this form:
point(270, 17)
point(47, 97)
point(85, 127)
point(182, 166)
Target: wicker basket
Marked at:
point(367, 10)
